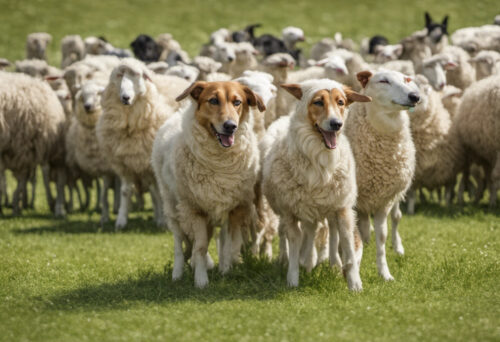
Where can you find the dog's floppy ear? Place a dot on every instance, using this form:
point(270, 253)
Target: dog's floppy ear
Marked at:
point(293, 89)
point(428, 19)
point(194, 90)
point(254, 99)
point(363, 77)
point(352, 96)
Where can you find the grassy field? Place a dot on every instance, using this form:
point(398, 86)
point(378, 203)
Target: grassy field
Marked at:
point(75, 280)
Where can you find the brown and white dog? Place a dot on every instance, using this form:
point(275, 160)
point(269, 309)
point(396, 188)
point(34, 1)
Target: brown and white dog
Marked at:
point(309, 176)
point(206, 161)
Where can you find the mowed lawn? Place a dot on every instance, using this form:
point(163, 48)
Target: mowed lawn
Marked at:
point(75, 280)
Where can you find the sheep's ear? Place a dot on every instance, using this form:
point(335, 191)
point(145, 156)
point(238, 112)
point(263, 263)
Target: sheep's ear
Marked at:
point(399, 50)
point(322, 62)
point(194, 90)
point(428, 19)
point(352, 96)
point(52, 78)
point(363, 77)
point(146, 77)
point(293, 89)
point(254, 99)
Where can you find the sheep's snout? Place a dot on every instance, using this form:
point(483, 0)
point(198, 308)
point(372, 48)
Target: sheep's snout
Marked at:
point(414, 97)
point(127, 91)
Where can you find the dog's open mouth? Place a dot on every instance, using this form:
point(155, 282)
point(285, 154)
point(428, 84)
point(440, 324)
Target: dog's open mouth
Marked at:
point(225, 140)
point(329, 138)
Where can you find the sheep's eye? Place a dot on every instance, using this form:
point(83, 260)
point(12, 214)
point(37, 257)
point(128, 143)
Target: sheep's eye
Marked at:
point(236, 103)
point(119, 75)
point(340, 102)
point(214, 101)
point(384, 81)
point(318, 103)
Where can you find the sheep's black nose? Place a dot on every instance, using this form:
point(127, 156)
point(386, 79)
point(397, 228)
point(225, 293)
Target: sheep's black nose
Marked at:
point(87, 107)
point(230, 59)
point(414, 97)
point(335, 124)
point(125, 99)
point(230, 126)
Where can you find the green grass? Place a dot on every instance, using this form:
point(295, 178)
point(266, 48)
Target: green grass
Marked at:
point(72, 279)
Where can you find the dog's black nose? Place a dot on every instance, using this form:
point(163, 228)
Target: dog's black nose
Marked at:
point(87, 107)
point(335, 124)
point(414, 97)
point(125, 99)
point(230, 126)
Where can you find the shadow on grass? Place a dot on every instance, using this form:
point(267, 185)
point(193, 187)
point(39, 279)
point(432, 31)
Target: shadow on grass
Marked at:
point(135, 225)
point(254, 279)
point(434, 209)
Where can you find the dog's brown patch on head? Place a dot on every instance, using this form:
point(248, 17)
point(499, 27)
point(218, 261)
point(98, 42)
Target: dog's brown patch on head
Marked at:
point(319, 106)
point(219, 102)
point(363, 77)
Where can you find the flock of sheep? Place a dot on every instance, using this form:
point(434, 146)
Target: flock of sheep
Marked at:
point(253, 137)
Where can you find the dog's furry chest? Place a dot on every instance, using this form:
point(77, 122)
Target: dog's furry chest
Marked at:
point(295, 187)
point(214, 192)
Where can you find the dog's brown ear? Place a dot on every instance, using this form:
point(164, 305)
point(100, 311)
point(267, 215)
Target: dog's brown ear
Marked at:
point(254, 99)
point(293, 89)
point(194, 90)
point(363, 77)
point(352, 96)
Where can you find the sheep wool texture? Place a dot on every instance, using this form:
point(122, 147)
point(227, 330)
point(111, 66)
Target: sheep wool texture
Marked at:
point(480, 108)
point(126, 133)
point(31, 122)
point(438, 154)
point(301, 177)
point(385, 163)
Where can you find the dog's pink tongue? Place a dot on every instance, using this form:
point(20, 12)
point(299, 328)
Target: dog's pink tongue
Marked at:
point(330, 139)
point(227, 140)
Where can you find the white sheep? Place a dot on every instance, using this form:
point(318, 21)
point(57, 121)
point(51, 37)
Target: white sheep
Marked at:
point(487, 63)
point(480, 108)
point(379, 133)
point(32, 122)
point(133, 110)
point(475, 39)
point(36, 45)
point(184, 71)
point(36, 68)
point(73, 50)
point(4, 63)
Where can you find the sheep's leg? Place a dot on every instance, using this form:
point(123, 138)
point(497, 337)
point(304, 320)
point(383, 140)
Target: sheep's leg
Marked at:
point(126, 192)
point(3, 187)
point(411, 198)
point(491, 186)
point(422, 197)
point(98, 195)
point(46, 183)
point(24, 195)
point(346, 226)
point(16, 197)
point(294, 237)
point(226, 248)
point(364, 226)
point(106, 183)
point(86, 190)
point(283, 245)
point(323, 244)
point(116, 194)
point(309, 255)
point(178, 257)
point(157, 206)
point(333, 237)
point(60, 183)
point(33, 181)
point(449, 193)
point(396, 239)
point(380, 223)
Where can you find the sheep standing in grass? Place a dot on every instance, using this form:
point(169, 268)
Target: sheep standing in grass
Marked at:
point(439, 156)
point(133, 111)
point(309, 176)
point(480, 108)
point(31, 123)
point(36, 45)
point(88, 154)
point(379, 133)
point(73, 50)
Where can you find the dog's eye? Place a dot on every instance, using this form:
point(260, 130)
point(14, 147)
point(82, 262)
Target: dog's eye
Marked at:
point(318, 103)
point(340, 102)
point(384, 81)
point(214, 101)
point(237, 103)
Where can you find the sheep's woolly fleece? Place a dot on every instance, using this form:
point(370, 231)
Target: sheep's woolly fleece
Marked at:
point(480, 109)
point(439, 157)
point(126, 133)
point(31, 122)
point(385, 163)
point(300, 176)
